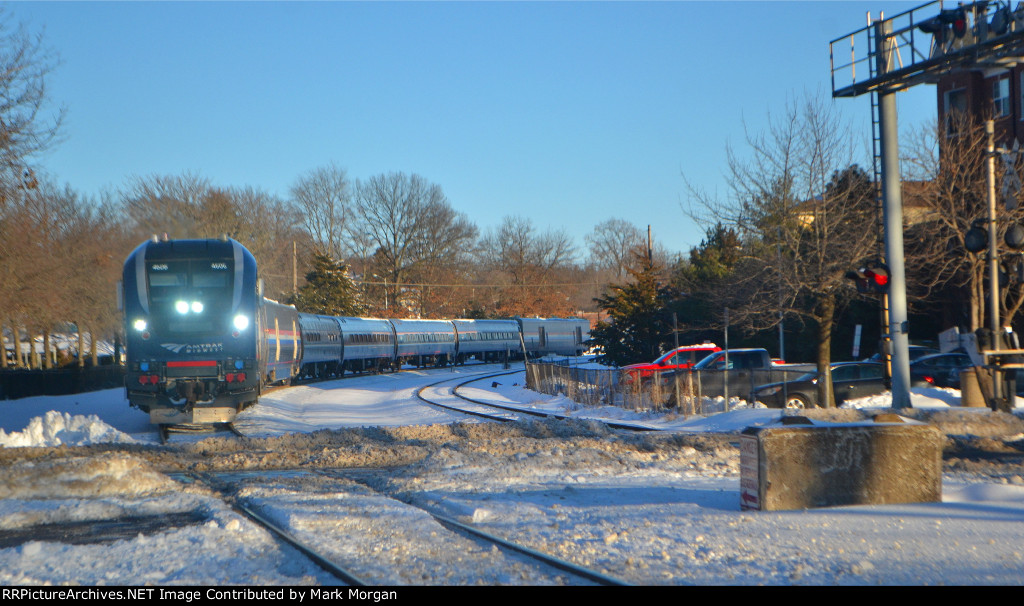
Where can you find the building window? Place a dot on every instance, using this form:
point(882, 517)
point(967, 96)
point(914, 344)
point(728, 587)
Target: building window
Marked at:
point(956, 109)
point(1001, 97)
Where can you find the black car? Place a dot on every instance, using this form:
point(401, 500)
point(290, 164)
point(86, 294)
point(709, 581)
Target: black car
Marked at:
point(940, 370)
point(850, 380)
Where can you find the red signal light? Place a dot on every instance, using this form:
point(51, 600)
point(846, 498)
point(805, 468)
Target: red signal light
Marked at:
point(874, 278)
point(960, 24)
point(957, 19)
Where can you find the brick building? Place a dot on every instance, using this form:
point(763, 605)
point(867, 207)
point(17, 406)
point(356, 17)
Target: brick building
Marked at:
point(996, 92)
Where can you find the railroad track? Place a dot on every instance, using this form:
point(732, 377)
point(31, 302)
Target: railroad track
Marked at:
point(546, 567)
point(506, 413)
point(487, 412)
point(222, 488)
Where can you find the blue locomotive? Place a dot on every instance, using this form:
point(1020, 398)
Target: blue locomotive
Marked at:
point(203, 341)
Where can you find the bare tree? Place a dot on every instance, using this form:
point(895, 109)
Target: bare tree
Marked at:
point(409, 224)
point(322, 197)
point(51, 280)
point(533, 266)
point(95, 248)
point(611, 243)
point(805, 216)
point(443, 261)
point(170, 204)
point(27, 124)
point(273, 233)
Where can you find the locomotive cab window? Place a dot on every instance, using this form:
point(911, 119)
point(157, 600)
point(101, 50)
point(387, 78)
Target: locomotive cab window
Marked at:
point(189, 296)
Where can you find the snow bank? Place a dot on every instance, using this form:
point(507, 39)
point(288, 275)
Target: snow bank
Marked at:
point(61, 428)
point(103, 475)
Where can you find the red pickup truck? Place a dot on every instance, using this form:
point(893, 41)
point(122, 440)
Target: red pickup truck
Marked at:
point(680, 358)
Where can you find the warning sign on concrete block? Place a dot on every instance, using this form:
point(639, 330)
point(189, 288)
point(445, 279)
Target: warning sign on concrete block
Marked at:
point(749, 470)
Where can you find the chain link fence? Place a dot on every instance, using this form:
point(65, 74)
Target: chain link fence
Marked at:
point(686, 391)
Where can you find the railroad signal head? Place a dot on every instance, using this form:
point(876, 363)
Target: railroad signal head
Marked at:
point(878, 277)
point(1014, 236)
point(976, 238)
point(957, 19)
point(872, 278)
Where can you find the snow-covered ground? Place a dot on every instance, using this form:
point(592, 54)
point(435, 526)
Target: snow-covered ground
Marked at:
point(652, 508)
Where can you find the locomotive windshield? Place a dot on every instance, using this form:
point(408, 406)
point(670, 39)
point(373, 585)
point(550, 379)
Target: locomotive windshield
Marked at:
point(190, 295)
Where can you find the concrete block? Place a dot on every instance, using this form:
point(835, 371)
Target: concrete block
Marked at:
point(807, 464)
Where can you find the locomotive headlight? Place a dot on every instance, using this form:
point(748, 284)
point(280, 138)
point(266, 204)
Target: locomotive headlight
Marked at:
point(241, 322)
point(197, 307)
point(181, 307)
point(139, 325)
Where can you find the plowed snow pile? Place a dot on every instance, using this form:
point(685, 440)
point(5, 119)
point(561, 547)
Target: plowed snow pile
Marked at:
point(57, 428)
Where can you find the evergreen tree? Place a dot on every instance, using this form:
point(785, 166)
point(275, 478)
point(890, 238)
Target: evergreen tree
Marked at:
point(640, 321)
point(699, 282)
point(328, 290)
point(713, 260)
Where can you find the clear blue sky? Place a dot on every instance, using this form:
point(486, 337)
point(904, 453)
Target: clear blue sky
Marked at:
point(569, 113)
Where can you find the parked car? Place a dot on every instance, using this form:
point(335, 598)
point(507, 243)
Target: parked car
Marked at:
point(940, 370)
point(850, 380)
point(738, 371)
point(678, 359)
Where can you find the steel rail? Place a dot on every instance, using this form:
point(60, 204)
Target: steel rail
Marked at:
point(320, 560)
point(550, 560)
point(493, 417)
point(539, 556)
point(535, 413)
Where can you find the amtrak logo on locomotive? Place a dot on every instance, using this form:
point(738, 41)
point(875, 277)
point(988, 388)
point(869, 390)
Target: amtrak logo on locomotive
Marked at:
point(194, 348)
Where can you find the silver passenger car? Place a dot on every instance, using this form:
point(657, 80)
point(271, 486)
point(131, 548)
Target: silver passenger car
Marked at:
point(321, 345)
point(561, 336)
point(424, 342)
point(487, 340)
point(369, 343)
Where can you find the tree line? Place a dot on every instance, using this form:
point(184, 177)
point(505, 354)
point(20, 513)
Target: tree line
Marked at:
point(393, 244)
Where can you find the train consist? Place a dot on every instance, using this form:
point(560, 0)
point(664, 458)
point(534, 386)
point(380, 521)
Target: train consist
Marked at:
point(203, 341)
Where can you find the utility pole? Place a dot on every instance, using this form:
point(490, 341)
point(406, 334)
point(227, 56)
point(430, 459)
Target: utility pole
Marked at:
point(993, 258)
point(650, 246)
point(892, 206)
point(725, 371)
